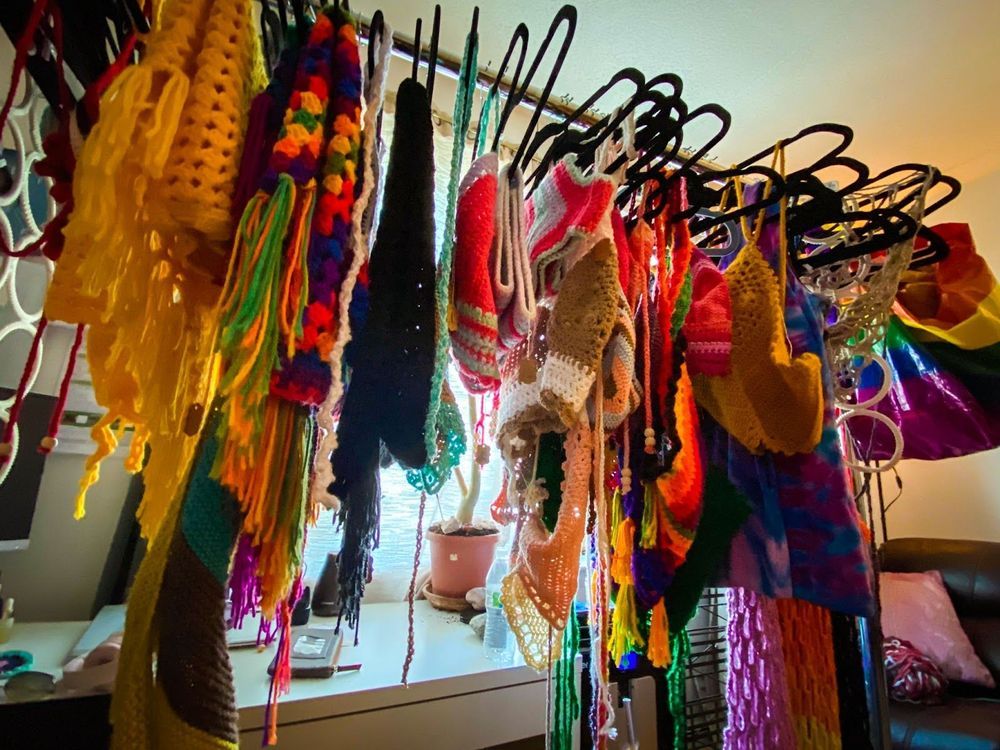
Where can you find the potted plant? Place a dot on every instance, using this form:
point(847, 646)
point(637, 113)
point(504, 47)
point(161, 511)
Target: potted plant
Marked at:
point(462, 548)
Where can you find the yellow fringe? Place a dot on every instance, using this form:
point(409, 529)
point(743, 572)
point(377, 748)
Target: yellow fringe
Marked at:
point(102, 434)
point(621, 560)
point(658, 651)
point(625, 635)
point(647, 539)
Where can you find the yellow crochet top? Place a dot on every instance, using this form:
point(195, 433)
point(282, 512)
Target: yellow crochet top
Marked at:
point(150, 232)
point(770, 400)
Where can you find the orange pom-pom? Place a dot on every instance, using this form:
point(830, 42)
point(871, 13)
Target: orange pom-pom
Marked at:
point(47, 444)
point(6, 449)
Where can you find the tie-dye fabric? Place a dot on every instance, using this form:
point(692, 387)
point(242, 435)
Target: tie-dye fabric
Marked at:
point(803, 537)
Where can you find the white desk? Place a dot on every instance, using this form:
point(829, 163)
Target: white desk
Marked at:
point(456, 700)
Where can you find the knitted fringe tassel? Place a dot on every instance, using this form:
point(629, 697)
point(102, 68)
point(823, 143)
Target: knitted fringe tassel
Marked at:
point(281, 680)
point(621, 560)
point(272, 494)
point(650, 525)
point(625, 636)
point(244, 585)
point(676, 674)
point(106, 441)
point(567, 703)
point(359, 513)
point(658, 649)
point(136, 122)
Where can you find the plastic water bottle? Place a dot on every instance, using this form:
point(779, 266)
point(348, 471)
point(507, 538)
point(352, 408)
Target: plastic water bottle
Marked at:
point(498, 641)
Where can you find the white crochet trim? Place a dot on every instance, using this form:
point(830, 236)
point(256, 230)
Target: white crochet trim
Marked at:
point(322, 468)
point(568, 381)
point(512, 287)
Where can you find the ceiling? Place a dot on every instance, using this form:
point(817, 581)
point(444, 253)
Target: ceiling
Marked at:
point(917, 80)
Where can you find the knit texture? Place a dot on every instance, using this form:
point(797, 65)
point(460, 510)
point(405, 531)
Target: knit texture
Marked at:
point(200, 176)
point(708, 326)
point(306, 377)
point(145, 279)
point(580, 327)
point(566, 215)
point(354, 287)
point(807, 645)
point(393, 360)
point(757, 691)
point(547, 564)
point(513, 291)
point(176, 622)
point(474, 340)
point(773, 401)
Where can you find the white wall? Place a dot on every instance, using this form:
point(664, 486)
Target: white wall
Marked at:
point(957, 498)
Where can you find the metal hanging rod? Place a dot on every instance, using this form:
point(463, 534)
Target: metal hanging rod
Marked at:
point(403, 47)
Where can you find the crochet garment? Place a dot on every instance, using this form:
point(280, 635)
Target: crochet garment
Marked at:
point(393, 359)
point(176, 622)
point(772, 398)
point(708, 327)
point(538, 592)
point(149, 234)
point(568, 213)
point(474, 340)
point(756, 691)
point(803, 537)
point(807, 645)
point(353, 297)
point(513, 292)
point(306, 377)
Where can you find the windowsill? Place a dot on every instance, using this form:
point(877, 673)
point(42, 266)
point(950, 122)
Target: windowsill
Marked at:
point(453, 688)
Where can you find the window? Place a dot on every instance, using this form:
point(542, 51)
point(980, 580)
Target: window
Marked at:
point(400, 502)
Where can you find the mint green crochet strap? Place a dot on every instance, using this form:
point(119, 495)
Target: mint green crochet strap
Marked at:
point(441, 462)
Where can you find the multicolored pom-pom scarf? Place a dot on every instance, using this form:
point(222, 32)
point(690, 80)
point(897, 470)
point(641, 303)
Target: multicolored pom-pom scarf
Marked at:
point(279, 319)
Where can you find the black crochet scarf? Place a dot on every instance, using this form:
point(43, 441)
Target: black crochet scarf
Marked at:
point(393, 359)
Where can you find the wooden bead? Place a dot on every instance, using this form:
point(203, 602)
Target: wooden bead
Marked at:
point(192, 419)
point(47, 444)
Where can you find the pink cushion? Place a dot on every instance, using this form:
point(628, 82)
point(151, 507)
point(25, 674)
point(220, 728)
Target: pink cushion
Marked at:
point(916, 607)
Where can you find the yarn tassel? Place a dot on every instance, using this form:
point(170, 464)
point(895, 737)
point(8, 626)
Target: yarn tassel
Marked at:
point(658, 649)
point(106, 443)
point(281, 680)
point(272, 496)
point(250, 307)
point(676, 687)
point(137, 450)
point(359, 513)
point(621, 561)
point(650, 524)
point(625, 635)
point(244, 585)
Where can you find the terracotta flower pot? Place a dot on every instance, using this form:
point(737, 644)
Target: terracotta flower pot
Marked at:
point(459, 562)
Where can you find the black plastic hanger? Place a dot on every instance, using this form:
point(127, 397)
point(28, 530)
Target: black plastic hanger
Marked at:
point(558, 131)
point(432, 53)
point(568, 15)
point(376, 29)
point(661, 170)
point(520, 37)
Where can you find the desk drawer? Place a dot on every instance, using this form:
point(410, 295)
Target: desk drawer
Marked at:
point(460, 722)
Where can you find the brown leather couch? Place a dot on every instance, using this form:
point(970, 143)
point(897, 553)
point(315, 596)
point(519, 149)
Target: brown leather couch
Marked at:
point(970, 717)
